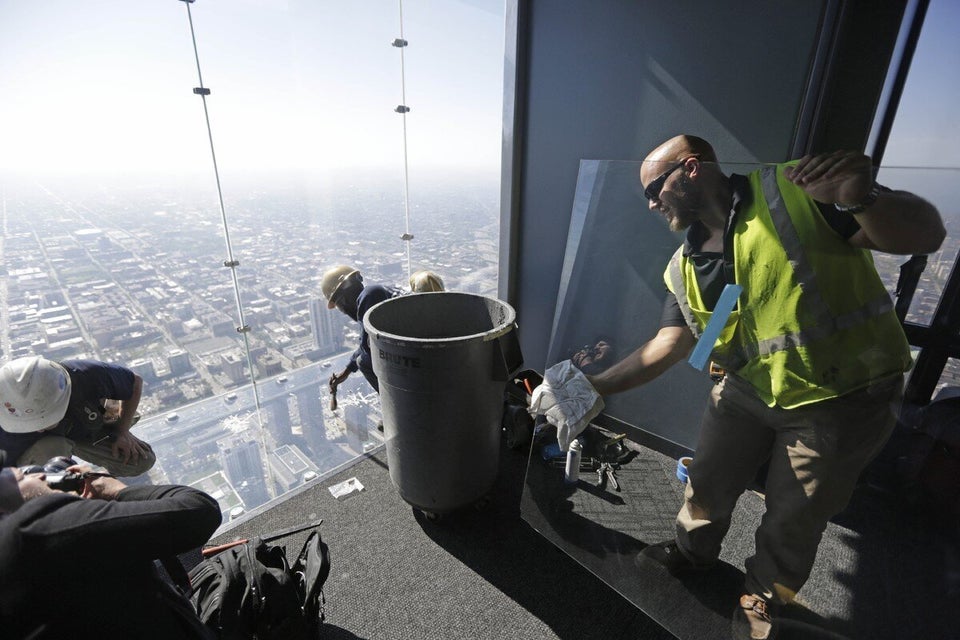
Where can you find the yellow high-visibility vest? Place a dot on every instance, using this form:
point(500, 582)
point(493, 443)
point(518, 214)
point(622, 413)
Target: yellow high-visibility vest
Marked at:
point(814, 321)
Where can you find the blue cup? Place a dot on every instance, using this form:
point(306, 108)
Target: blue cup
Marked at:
point(682, 465)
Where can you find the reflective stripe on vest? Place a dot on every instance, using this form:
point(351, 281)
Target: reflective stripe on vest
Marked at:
point(680, 292)
point(814, 324)
point(806, 280)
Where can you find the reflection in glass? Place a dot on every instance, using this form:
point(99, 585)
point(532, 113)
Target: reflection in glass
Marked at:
point(922, 152)
point(612, 291)
point(950, 376)
point(612, 286)
point(940, 187)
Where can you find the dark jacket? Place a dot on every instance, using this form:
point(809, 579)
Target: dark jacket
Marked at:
point(90, 382)
point(76, 568)
point(361, 359)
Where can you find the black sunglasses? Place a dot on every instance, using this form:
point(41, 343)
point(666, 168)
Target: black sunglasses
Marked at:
point(652, 192)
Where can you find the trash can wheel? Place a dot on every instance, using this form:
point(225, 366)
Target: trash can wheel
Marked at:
point(432, 516)
point(482, 503)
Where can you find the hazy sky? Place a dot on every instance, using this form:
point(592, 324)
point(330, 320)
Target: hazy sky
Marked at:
point(313, 83)
point(295, 83)
point(926, 132)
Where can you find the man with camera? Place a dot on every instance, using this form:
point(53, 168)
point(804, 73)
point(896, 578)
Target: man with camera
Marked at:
point(83, 565)
point(57, 409)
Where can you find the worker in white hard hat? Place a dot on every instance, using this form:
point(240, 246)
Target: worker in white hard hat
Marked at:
point(343, 288)
point(50, 409)
point(425, 282)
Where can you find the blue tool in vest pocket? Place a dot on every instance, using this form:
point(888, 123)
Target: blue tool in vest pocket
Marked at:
point(721, 312)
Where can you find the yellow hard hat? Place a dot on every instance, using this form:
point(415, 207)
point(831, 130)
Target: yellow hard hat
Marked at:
point(425, 281)
point(333, 279)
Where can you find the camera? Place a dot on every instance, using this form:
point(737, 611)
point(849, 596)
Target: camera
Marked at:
point(57, 476)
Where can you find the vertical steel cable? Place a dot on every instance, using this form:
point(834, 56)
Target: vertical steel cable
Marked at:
point(231, 262)
point(403, 110)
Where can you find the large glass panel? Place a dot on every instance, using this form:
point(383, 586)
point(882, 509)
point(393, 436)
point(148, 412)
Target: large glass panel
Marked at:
point(950, 377)
point(923, 150)
point(629, 490)
point(114, 242)
point(612, 290)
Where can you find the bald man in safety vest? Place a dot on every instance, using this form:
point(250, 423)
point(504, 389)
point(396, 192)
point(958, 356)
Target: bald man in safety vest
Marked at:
point(813, 352)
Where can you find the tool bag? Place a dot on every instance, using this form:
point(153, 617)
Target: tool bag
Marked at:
point(516, 422)
point(250, 591)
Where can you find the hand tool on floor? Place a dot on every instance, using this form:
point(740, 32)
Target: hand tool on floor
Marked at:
point(276, 535)
point(607, 471)
point(613, 449)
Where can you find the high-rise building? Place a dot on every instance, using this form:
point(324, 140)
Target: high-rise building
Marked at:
point(240, 457)
point(277, 418)
point(310, 413)
point(232, 362)
point(144, 368)
point(222, 326)
point(270, 364)
point(326, 326)
point(291, 467)
point(179, 362)
point(354, 416)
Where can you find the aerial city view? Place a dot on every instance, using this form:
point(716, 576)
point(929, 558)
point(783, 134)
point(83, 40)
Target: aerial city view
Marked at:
point(136, 276)
point(115, 246)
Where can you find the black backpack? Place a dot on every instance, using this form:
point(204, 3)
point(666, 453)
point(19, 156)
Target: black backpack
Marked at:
point(250, 591)
point(517, 423)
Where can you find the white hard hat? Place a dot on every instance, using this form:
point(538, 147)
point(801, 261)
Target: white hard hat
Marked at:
point(425, 281)
point(333, 279)
point(34, 393)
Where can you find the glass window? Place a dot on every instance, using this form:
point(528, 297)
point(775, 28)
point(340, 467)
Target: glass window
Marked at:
point(950, 377)
point(114, 240)
point(923, 150)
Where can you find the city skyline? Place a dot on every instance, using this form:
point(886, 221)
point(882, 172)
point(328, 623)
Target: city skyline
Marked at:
point(151, 266)
point(137, 277)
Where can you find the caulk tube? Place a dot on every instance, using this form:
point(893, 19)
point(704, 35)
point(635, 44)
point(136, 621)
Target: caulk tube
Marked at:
point(571, 473)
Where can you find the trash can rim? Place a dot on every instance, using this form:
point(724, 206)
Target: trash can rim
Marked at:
point(491, 334)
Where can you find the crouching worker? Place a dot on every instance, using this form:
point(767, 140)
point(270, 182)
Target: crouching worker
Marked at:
point(343, 288)
point(81, 566)
point(55, 409)
point(425, 282)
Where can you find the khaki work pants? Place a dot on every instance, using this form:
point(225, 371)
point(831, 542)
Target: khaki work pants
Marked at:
point(816, 454)
point(99, 454)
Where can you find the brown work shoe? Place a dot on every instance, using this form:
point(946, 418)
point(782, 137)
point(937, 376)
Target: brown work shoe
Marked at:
point(754, 619)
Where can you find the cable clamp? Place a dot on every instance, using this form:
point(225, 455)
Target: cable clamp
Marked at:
point(244, 329)
point(201, 91)
point(399, 42)
point(407, 237)
point(402, 109)
point(231, 263)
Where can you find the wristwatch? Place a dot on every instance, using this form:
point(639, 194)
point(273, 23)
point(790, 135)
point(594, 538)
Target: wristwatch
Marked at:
point(861, 206)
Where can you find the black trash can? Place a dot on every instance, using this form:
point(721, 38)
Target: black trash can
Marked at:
point(442, 360)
